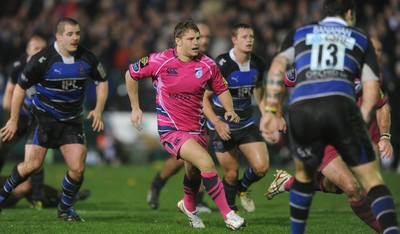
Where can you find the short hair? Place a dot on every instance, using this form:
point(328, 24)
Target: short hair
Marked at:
point(184, 26)
point(238, 26)
point(338, 7)
point(62, 22)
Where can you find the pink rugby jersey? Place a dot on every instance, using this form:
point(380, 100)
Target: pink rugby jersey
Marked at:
point(179, 88)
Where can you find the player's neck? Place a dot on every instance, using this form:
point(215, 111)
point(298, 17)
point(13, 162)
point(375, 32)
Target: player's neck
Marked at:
point(182, 56)
point(241, 57)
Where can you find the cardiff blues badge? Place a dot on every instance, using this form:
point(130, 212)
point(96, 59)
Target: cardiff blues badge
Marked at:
point(198, 72)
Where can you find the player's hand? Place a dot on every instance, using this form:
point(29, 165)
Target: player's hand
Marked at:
point(271, 127)
point(231, 116)
point(223, 130)
point(385, 148)
point(97, 124)
point(136, 118)
point(9, 130)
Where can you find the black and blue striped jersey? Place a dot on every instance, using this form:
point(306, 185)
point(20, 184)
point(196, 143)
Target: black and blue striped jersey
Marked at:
point(60, 81)
point(17, 68)
point(327, 56)
point(242, 79)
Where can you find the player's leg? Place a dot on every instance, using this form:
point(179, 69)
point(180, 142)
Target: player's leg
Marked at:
point(301, 196)
point(74, 156)
point(195, 155)
point(19, 192)
point(258, 159)
point(382, 202)
point(337, 177)
point(37, 181)
point(33, 160)
point(171, 166)
point(229, 163)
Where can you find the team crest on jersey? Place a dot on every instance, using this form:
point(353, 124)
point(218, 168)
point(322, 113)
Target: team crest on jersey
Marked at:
point(198, 72)
point(81, 70)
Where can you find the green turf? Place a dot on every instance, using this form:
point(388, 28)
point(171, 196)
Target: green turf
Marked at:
point(118, 205)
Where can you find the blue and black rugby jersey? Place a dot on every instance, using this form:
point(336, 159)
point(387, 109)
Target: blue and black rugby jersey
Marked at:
point(60, 81)
point(18, 67)
point(327, 56)
point(242, 79)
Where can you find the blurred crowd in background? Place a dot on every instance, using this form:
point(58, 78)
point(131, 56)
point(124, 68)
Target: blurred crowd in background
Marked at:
point(122, 31)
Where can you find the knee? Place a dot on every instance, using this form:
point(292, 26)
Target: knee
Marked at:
point(77, 173)
point(352, 190)
point(260, 170)
point(231, 175)
point(26, 169)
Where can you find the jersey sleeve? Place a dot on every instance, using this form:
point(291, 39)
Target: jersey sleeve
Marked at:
point(33, 72)
point(260, 65)
point(143, 68)
point(370, 69)
point(287, 48)
point(98, 73)
point(217, 83)
point(16, 71)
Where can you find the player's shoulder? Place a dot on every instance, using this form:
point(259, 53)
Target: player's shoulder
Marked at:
point(20, 62)
point(161, 56)
point(257, 59)
point(86, 53)
point(223, 59)
point(44, 56)
point(205, 59)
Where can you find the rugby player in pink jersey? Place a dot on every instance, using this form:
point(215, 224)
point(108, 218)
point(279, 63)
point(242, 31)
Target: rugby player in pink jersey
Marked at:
point(180, 75)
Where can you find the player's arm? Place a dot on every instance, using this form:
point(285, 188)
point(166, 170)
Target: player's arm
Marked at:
point(101, 98)
point(220, 126)
point(8, 93)
point(132, 89)
point(271, 122)
point(383, 121)
point(370, 84)
point(225, 99)
point(259, 93)
point(369, 97)
point(9, 130)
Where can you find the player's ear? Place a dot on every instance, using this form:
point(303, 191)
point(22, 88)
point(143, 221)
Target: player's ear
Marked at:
point(178, 41)
point(350, 17)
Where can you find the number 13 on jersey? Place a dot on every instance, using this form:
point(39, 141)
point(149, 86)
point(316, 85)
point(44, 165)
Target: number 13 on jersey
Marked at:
point(328, 50)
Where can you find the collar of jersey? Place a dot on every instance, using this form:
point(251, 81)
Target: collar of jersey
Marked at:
point(333, 21)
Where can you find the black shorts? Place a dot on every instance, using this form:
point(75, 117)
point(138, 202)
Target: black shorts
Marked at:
point(238, 137)
point(51, 133)
point(334, 120)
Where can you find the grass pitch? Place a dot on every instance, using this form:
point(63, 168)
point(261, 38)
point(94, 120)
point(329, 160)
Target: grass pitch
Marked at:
point(118, 205)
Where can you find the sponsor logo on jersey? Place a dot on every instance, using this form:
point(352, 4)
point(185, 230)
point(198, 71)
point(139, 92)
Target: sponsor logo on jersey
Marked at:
point(198, 72)
point(58, 71)
point(42, 59)
point(177, 140)
point(172, 71)
point(235, 78)
point(221, 62)
point(101, 70)
point(144, 61)
point(181, 96)
point(136, 66)
point(224, 81)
